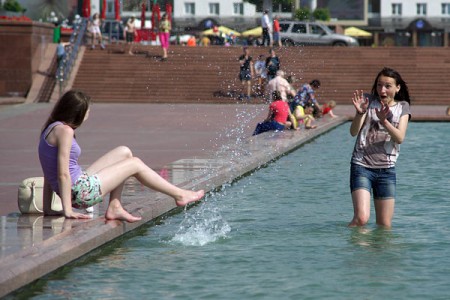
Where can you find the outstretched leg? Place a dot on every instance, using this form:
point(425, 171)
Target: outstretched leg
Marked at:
point(117, 165)
point(113, 176)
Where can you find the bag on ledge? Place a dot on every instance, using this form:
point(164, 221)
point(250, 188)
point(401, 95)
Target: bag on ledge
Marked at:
point(31, 194)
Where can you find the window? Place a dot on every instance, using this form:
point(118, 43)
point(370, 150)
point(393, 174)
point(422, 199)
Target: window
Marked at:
point(110, 8)
point(446, 8)
point(284, 27)
point(315, 29)
point(189, 8)
point(299, 28)
point(421, 9)
point(238, 8)
point(214, 9)
point(281, 7)
point(396, 9)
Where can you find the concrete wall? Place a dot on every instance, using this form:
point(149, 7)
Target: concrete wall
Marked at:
point(22, 47)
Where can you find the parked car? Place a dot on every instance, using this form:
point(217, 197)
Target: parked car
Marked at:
point(311, 33)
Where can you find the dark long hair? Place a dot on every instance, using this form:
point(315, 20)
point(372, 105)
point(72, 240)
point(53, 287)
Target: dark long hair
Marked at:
point(403, 94)
point(71, 109)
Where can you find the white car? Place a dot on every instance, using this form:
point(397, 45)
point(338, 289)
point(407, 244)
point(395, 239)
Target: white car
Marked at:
point(311, 33)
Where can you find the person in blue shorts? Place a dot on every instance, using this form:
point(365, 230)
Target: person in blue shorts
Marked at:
point(380, 124)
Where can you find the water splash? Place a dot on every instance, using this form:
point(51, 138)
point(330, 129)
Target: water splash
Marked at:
point(205, 225)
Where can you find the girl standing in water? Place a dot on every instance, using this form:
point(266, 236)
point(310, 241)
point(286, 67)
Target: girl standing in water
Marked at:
point(380, 122)
point(59, 153)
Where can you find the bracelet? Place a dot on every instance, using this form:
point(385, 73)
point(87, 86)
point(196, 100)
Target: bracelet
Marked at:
point(361, 113)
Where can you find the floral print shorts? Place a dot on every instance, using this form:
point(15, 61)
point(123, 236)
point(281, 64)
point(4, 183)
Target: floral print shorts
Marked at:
point(86, 191)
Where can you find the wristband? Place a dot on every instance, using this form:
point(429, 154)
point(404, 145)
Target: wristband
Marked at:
point(361, 113)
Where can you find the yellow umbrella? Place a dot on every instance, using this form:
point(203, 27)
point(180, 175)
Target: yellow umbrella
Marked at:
point(254, 32)
point(222, 29)
point(356, 32)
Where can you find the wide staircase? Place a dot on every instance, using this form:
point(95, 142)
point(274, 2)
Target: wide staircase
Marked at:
point(210, 74)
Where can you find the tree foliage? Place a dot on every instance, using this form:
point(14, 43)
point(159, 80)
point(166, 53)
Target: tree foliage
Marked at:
point(12, 5)
point(322, 14)
point(319, 14)
point(302, 14)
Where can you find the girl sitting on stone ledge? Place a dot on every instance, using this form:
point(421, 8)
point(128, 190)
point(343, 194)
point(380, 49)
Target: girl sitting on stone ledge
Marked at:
point(59, 153)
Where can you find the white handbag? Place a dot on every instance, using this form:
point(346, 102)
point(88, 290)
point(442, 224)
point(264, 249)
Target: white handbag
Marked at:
point(31, 194)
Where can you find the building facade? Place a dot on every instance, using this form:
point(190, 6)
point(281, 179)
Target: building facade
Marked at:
point(203, 14)
point(418, 23)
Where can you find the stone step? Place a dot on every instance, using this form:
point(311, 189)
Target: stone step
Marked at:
point(199, 74)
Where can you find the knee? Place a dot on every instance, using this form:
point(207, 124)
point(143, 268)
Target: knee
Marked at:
point(137, 162)
point(124, 151)
point(361, 220)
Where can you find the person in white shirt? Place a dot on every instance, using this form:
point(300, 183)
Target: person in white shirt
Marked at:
point(266, 28)
point(261, 74)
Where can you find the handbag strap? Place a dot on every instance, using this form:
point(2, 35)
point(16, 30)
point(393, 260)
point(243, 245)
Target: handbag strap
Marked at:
point(33, 196)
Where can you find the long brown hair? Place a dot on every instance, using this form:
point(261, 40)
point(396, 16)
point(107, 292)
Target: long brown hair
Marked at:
point(71, 109)
point(403, 94)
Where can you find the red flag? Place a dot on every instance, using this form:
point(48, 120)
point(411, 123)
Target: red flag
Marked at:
point(158, 10)
point(103, 13)
point(156, 15)
point(169, 12)
point(143, 16)
point(117, 9)
point(86, 8)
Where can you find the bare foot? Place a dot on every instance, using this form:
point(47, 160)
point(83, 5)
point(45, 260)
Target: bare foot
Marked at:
point(188, 197)
point(120, 214)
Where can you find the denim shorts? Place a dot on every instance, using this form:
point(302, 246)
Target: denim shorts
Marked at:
point(86, 191)
point(276, 36)
point(381, 181)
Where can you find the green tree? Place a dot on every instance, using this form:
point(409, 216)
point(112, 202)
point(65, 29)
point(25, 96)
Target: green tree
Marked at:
point(302, 14)
point(321, 14)
point(12, 5)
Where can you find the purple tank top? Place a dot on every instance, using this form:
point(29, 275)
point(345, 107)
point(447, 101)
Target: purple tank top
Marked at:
point(48, 156)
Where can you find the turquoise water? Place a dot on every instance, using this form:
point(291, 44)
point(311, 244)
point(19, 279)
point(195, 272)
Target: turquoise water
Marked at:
point(281, 233)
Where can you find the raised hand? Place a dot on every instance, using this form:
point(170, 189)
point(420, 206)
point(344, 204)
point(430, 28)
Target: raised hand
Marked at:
point(384, 112)
point(360, 102)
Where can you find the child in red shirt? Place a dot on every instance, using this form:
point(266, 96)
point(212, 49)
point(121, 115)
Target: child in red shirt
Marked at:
point(328, 108)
